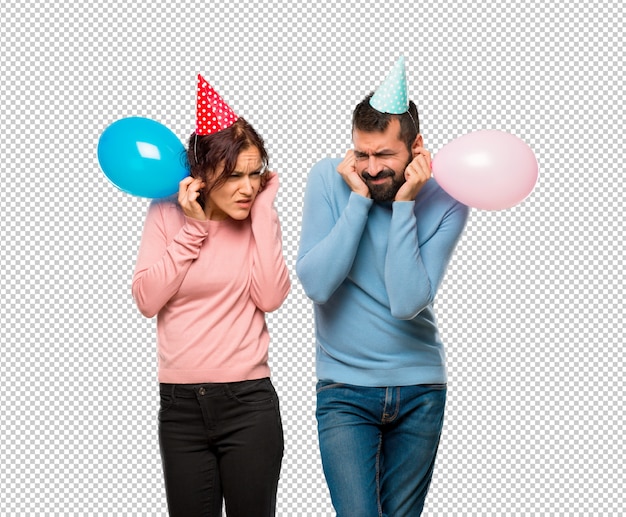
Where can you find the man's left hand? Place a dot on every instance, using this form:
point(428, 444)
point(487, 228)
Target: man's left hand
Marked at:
point(417, 173)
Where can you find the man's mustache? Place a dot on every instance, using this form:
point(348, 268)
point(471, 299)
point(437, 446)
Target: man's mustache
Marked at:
point(386, 173)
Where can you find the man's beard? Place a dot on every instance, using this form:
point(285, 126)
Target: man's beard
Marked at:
point(387, 191)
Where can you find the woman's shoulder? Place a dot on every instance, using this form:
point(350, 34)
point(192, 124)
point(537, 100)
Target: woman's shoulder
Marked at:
point(165, 203)
point(167, 210)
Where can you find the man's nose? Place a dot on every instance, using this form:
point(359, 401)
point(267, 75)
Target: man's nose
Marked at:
point(373, 166)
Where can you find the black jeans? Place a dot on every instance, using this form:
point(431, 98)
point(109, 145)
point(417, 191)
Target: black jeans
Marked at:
point(221, 441)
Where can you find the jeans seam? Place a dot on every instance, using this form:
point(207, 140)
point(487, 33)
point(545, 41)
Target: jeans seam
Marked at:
point(378, 451)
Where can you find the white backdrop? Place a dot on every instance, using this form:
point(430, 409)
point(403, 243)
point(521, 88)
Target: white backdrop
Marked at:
point(531, 309)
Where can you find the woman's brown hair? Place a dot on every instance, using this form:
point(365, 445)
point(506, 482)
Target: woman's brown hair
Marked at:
point(206, 153)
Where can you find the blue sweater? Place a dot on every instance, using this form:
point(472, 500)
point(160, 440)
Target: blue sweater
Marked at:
point(372, 270)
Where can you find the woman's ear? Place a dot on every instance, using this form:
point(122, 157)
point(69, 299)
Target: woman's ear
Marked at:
point(196, 172)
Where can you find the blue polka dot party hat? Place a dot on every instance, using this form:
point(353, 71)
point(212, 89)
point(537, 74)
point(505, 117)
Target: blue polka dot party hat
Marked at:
point(391, 96)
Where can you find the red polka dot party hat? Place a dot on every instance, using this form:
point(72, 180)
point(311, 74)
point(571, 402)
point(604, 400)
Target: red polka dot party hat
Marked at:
point(212, 113)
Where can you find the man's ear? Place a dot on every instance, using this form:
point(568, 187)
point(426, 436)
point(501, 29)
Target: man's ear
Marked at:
point(417, 143)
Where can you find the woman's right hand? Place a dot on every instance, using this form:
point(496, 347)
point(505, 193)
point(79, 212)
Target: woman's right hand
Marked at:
point(188, 193)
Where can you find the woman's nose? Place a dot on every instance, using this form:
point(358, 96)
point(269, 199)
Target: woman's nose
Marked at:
point(245, 185)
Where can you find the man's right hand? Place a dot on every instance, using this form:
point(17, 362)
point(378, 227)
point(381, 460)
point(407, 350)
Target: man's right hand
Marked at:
point(347, 169)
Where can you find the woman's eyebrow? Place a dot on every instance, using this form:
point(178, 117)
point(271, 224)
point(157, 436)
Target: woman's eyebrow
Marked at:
point(255, 171)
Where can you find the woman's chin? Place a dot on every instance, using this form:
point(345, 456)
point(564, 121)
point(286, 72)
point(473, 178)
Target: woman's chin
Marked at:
point(240, 214)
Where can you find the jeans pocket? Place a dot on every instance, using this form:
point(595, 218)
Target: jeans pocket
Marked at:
point(324, 385)
point(166, 394)
point(259, 392)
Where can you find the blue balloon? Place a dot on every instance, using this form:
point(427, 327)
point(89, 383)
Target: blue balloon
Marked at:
point(142, 157)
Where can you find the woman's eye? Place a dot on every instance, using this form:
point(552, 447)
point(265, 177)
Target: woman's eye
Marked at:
point(237, 176)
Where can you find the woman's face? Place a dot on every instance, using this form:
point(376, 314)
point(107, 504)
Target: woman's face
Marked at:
point(235, 197)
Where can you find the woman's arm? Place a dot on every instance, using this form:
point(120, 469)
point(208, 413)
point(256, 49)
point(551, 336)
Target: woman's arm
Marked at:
point(270, 277)
point(162, 266)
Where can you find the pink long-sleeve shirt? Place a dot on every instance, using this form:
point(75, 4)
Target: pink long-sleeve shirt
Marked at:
point(210, 284)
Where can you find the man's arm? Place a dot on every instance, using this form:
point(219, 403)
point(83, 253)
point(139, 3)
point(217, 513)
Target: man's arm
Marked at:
point(414, 270)
point(329, 240)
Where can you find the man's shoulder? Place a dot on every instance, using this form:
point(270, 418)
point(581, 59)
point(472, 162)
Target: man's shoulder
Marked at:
point(435, 201)
point(324, 175)
point(432, 192)
point(326, 166)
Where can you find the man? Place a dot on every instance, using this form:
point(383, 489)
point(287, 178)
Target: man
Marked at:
point(377, 235)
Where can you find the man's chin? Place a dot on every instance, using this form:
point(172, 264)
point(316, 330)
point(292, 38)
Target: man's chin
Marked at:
point(383, 195)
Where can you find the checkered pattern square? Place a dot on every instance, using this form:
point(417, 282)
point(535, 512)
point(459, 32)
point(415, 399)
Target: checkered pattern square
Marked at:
point(531, 308)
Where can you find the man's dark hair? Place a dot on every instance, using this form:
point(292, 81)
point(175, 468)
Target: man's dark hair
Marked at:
point(365, 118)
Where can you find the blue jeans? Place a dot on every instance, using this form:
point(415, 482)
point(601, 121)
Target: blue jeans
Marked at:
point(378, 446)
point(221, 442)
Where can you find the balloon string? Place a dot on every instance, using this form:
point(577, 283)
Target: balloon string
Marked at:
point(413, 120)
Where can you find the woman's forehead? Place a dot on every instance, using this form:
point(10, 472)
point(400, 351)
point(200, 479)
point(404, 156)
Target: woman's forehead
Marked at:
point(248, 160)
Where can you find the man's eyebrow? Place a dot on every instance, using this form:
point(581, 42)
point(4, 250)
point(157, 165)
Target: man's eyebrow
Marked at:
point(382, 152)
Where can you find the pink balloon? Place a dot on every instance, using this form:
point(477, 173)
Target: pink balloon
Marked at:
point(488, 169)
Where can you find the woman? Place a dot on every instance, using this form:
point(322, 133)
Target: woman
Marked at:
point(210, 266)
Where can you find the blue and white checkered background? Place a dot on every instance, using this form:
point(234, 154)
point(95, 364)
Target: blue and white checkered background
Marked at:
point(531, 309)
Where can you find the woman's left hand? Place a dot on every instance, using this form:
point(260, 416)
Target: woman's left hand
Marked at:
point(267, 194)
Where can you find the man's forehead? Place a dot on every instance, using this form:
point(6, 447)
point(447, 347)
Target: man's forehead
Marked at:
point(391, 134)
point(376, 142)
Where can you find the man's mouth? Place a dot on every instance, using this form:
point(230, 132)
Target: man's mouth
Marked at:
point(378, 180)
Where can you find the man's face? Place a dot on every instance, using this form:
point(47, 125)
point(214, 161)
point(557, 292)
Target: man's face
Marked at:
point(381, 159)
